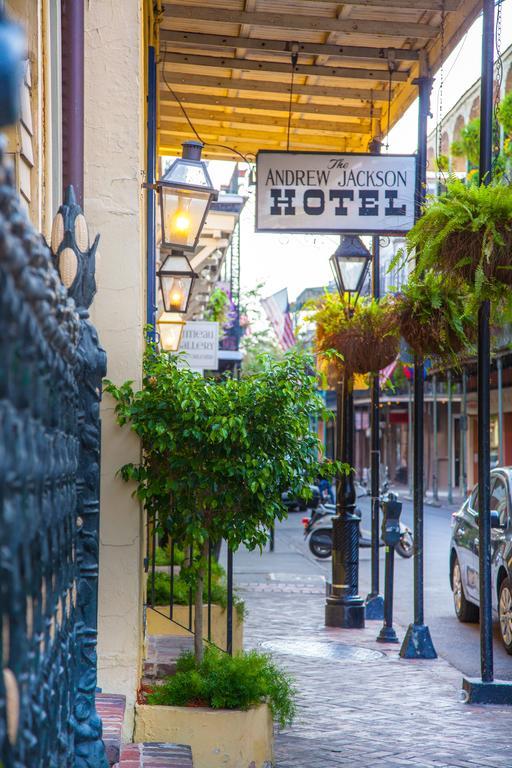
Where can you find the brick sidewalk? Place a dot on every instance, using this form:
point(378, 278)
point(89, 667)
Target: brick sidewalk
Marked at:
point(379, 713)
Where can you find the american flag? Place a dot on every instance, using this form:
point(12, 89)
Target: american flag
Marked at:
point(277, 310)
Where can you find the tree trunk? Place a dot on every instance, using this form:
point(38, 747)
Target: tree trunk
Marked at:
point(198, 616)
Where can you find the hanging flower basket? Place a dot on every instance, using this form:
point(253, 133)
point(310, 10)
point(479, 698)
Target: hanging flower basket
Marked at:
point(366, 342)
point(436, 316)
point(467, 233)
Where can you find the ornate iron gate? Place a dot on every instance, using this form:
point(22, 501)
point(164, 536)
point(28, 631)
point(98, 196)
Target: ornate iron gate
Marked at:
point(51, 367)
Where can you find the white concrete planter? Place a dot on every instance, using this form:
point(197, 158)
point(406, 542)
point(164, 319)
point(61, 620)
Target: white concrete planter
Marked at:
point(220, 738)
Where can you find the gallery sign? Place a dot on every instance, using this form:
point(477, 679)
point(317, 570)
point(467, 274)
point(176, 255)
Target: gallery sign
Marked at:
point(200, 343)
point(329, 192)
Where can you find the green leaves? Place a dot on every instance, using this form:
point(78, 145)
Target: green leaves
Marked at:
point(217, 455)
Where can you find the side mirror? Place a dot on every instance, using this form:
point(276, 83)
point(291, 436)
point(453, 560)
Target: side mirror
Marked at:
point(495, 519)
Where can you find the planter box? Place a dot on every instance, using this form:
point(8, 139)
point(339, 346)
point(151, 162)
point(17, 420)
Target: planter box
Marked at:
point(220, 738)
point(158, 623)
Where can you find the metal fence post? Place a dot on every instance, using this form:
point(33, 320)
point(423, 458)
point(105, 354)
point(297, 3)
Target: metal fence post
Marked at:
point(71, 245)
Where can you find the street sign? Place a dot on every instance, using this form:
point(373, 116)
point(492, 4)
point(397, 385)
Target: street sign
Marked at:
point(316, 192)
point(200, 343)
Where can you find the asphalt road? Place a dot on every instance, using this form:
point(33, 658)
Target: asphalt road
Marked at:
point(458, 643)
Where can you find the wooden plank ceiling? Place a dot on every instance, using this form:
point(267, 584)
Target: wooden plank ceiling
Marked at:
point(229, 62)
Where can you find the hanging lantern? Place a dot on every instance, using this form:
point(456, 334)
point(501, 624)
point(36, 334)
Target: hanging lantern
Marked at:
point(186, 193)
point(170, 328)
point(349, 263)
point(176, 277)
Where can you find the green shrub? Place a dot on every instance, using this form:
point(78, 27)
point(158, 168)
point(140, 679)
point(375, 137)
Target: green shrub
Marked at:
point(221, 681)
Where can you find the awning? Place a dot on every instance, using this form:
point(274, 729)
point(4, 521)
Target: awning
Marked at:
point(229, 62)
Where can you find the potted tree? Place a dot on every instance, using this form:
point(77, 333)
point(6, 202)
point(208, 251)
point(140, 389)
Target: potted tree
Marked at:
point(216, 458)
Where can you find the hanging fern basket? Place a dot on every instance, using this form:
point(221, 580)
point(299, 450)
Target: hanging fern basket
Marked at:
point(365, 343)
point(467, 252)
point(435, 338)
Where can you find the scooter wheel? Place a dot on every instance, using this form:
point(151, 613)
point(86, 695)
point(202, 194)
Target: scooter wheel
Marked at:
point(405, 547)
point(320, 544)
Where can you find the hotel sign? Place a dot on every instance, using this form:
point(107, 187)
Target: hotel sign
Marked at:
point(318, 192)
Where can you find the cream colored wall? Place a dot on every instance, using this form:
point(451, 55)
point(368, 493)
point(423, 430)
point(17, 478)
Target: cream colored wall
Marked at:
point(114, 149)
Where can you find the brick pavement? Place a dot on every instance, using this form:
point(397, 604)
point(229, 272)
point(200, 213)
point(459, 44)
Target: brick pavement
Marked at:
point(385, 712)
point(156, 755)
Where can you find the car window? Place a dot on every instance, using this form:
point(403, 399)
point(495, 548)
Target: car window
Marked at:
point(499, 500)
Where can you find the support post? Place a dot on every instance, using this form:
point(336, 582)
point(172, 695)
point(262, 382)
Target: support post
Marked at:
point(150, 192)
point(409, 438)
point(435, 457)
point(450, 437)
point(344, 607)
point(375, 601)
point(499, 365)
point(417, 643)
point(485, 690)
point(463, 436)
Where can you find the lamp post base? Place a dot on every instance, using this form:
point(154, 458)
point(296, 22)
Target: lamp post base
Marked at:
point(347, 614)
point(387, 635)
point(477, 692)
point(417, 643)
point(374, 606)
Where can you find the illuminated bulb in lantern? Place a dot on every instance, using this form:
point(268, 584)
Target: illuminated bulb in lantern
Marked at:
point(176, 295)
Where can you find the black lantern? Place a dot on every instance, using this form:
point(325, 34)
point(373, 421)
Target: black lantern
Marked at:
point(349, 263)
point(176, 277)
point(170, 329)
point(186, 193)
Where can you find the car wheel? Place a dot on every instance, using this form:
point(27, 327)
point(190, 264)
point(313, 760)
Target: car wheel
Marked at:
point(464, 610)
point(505, 613)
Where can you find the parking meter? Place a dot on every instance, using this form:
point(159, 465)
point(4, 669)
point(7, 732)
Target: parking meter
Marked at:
point(391, 509)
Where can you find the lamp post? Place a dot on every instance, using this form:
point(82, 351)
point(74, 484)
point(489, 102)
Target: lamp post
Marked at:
point(344, 606)
point(185, 195)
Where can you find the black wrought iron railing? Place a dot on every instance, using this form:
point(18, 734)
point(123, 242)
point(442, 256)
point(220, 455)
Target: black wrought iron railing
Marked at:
point(51, 367)
point(171, 595)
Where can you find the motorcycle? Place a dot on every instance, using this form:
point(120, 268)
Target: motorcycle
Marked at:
point(318, 533)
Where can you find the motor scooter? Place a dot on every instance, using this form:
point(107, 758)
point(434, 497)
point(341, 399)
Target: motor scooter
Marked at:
point(318, 533)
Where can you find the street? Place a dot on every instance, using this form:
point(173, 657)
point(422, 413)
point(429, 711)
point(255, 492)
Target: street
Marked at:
point(457, 643)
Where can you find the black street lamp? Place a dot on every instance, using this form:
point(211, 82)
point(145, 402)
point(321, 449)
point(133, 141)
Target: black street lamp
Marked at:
point(176, 278)
point(344, 606)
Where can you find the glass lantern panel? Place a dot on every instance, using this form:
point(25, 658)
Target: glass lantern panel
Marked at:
point(188, 172)
point(175, 292)
point(183, 213)
point(170, 332)
point(351, 272)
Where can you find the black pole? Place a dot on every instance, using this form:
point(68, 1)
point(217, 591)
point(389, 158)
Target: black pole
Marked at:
point(417, 643)
point(485, 690)
point(387, 633)
point(344, 607)
point(72, 27)
point(229, 625)
point(375, 601)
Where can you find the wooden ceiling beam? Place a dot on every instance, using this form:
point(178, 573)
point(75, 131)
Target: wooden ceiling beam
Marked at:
point(285, 46)
point(256, 138)
point(267, 105)
point(180, 79)
point(420, 5)
point(204, 115)
point(257, 65)
point(289, 21)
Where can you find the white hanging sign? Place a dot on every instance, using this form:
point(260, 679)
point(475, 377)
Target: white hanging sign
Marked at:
point(313, 192)
point(200, 343)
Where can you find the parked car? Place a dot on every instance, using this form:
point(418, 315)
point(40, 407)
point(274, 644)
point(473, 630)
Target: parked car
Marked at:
point(464, 551)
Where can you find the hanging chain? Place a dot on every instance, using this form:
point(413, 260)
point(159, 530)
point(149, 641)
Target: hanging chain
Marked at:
point(440, 92)
point(497, 84)
point(294, 60)
point(391, 69)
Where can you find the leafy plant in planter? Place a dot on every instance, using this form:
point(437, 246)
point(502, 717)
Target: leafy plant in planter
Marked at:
point(221, 681)
point(217, 455)
point(436, 317)
point(468, 146)
point(365, 341)
point(217, 309)
point(467, 232)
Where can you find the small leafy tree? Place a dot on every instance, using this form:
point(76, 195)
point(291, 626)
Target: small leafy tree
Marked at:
point(217, 455)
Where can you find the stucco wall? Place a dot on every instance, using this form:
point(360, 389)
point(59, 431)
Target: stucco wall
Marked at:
point(113, 204)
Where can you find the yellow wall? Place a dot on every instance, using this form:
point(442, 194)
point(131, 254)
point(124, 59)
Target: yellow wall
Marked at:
point(114, 157)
